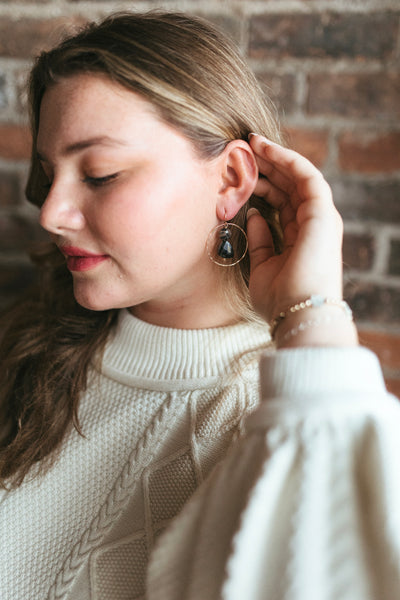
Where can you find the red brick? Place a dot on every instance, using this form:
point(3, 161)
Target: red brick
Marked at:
point(386, 346)
point(358, 251)
point(394, 258)
point(327, 34)
point(312, 143)
point(393, 386)
point(21, 77)
point(373, 303)
point(25, 37)
point(280, 88)
point(9, 189)
point(15, 142)
point(366, 201)
point(228, 23)
point(361, 95)
point(26, 1)
point(369, 152)
point(3, 92)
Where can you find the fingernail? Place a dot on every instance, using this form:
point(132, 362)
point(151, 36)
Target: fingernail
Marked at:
point(252, 211)
point(265, 141)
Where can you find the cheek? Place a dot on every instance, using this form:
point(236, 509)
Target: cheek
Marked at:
point(132, 233)
point(157, 215)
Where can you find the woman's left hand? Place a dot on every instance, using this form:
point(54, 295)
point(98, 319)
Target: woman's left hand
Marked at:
point(311, 261)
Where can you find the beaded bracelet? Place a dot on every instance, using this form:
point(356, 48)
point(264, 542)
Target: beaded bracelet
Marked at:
point(309, 324)
point(314, 301)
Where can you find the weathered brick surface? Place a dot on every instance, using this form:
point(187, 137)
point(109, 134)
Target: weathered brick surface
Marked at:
point(393, 386)
point(15, 141)
point(280, 88)
point(312, 143)
point(374, 303)
point(394, 258)
point(387, 348)
point(369, 152)
point(3, 92)
point(24, 37)
point(9, 189)
point(27, 2)
point(385, 345)
point(332, 71)
point(368, 200)
point(21, 76)
point(358, 251)
point(323, 35)
point(231, 24)
point(355, 95)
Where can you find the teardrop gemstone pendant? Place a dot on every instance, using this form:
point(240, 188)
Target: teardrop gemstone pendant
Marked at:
point(226, 244)
point(225, 249)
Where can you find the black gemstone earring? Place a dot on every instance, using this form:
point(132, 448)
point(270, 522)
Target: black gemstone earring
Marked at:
point(225, 249)
point(227, 244)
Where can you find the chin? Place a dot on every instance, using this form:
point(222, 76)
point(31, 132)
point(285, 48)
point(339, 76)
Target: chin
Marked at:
point(92, 305)
point(100, 301)
point(95, 302)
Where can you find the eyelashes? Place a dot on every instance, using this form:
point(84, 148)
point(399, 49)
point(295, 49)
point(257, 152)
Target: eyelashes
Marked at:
point(100, 181)
point(92, 181)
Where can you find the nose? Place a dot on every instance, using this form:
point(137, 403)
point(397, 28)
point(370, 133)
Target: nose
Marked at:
point(62, 210)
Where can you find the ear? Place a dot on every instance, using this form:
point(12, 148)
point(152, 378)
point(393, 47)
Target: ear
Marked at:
point(239, 175)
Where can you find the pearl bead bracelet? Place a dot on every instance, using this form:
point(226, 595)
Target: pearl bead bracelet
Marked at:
point(314, 301)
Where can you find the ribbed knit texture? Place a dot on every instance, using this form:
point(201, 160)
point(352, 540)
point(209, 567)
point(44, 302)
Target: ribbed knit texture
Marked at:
point(293, 498)
point(158, 417)
point(166, 357)
point(306, 505)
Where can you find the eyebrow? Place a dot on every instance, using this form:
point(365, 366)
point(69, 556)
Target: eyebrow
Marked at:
point(104, 140)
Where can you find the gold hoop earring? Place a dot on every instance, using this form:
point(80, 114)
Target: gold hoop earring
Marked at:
point(227, 244)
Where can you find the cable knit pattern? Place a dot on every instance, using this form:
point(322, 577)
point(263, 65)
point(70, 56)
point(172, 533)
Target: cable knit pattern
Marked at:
point(295, 497)
point(116, 501)
point(306, 504)
point(157, 418)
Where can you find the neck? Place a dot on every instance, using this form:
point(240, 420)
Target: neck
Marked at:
point(204, 314)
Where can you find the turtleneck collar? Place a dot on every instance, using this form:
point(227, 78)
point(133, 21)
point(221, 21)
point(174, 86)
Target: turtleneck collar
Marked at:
point(139, 351)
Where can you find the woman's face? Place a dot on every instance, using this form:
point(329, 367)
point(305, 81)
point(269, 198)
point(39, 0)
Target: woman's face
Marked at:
point(130, 204)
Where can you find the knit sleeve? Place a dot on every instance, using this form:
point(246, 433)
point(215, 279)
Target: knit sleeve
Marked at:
point(306, 505)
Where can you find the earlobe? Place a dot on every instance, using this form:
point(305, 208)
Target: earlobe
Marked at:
point(239, 175)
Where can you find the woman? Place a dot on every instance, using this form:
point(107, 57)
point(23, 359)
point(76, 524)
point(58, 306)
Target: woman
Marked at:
point(132, 369)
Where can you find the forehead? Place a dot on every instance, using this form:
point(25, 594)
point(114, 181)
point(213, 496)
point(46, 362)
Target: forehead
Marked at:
point(91, 105)
point(84, 108)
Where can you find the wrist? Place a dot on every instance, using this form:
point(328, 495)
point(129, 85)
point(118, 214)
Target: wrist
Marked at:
point(326, 326)
point(315, 321)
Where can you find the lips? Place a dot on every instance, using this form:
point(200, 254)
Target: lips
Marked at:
point(81, 260)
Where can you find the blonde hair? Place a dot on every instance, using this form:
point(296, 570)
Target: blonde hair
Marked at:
point(191, 73)
point(198, 82)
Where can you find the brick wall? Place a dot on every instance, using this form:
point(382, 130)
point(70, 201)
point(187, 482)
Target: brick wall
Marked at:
point(332, 68)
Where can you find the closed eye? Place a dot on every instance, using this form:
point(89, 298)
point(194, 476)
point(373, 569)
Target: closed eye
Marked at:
point(99, 181)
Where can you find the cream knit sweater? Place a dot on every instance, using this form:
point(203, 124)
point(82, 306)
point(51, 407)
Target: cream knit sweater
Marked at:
point(304, 505)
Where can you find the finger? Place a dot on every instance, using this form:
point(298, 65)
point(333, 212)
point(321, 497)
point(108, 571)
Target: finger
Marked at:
point(289, 170)
point(286, 161)
point(270, 171)
point(277, 199)
point(261, 246)
point(290, 234)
